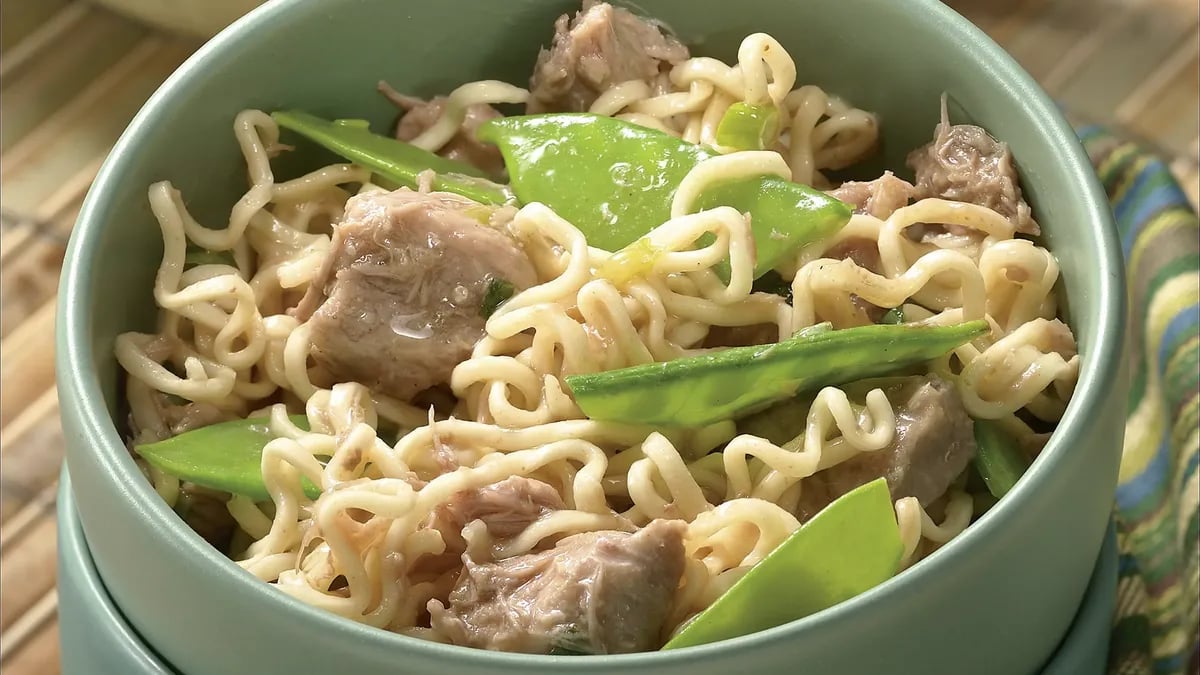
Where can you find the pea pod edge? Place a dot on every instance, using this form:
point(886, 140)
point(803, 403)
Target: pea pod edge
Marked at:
point(615, 180)
point(851, 546)
point(226, 456)
point(727, 384)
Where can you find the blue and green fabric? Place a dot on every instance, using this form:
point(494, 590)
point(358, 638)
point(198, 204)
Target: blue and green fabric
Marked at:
point(1155, 630)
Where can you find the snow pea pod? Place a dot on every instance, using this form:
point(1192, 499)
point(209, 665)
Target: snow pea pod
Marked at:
point(396, 162)
point(749, 127)
point(999, 459)
point(225, 456)
point(727, 384)
point(848, 548)
point(614, 180)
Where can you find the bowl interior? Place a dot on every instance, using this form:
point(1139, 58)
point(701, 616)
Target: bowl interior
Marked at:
point(326, 56)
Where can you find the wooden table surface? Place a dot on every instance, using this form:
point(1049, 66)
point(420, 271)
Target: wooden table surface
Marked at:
point(72, 75)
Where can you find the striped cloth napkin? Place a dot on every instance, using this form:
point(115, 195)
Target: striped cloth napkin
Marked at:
point(1155, 630)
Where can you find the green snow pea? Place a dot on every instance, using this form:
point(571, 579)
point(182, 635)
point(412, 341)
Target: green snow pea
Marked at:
point(614, 180)
point(727, 384)
point(893, 316)
point(749, 127)
point(999, 459)
point(201, 256)
point(225, 456)
point(396, 162)
point(848, 548)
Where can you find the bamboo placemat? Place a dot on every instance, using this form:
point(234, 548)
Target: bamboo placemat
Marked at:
point(72, 75)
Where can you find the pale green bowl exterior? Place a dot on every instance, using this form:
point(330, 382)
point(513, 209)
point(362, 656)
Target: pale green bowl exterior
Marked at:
point(93, 636)
point(995, 600)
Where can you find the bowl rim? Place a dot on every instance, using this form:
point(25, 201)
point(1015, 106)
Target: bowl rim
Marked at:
point(81, 394)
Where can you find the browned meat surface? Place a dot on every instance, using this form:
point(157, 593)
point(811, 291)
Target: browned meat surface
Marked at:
point(174, 417)
point(597, 592)
point(965, 164)
point(602, 46)
point(192, 415)
point(397, 303)
point(507, 507)
point(419, 115)
point(880, 197)
point(864, 252)
point(870, 313)
point(204, 511)
point(935, 440)
point(741, 336)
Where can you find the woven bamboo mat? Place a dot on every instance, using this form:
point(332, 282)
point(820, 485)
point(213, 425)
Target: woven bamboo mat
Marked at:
point(72, 75)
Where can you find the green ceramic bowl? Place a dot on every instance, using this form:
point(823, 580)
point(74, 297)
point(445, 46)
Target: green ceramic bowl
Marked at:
point(1084, 649)
point(996, 600)
point(93, 635)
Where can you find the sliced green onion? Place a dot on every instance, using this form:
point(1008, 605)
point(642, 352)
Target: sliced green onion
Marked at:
point(202, 256)
point(749, 127)
point(633, 261)
point(570, 644)
point(498, 292)
point(480, 213)
point(894, 316)
point(999, 458)
point(394, 163)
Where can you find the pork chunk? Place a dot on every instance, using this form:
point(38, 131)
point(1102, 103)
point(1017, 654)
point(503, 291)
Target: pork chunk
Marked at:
point(602, 46)
point(596, 593)
point(934, 442)
point(397, 303)
point(862, 251)
point(419, 115)
point(507, 507)
point(880, 197)
point(965, 164)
